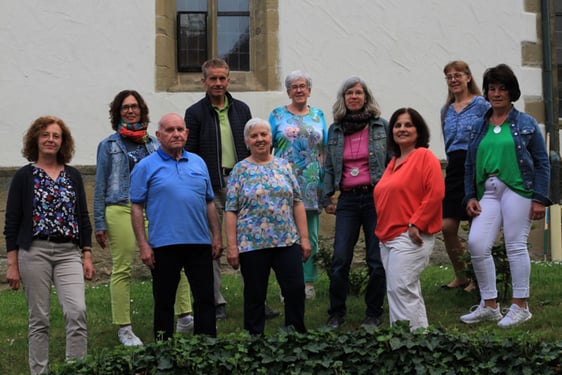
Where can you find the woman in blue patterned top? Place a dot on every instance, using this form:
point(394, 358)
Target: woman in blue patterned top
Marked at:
point(265, 221)
point(299, 136)
point(464, 107)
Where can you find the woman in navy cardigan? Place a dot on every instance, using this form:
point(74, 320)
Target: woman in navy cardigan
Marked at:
point(48, 238)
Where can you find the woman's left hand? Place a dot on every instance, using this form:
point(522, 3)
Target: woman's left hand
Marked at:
point(537, 211)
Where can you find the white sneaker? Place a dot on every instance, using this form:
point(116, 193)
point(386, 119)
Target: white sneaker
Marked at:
point(127, 337)
point(309, 292)
point(515, 315)
point(480, 313)
point(184, 325)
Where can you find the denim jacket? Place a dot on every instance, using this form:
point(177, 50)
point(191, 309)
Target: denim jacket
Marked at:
point(112, 175)
point(333, 166)
point(530, 150)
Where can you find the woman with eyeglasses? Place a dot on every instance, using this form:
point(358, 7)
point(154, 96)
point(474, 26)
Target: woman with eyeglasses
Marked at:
point(460, 114)
point(356, 157)
point(299, 136)
point(47, 223)
point(116, 157)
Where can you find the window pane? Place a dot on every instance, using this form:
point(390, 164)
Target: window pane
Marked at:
point(234, 41)
point(192, 41)
point(191, 5)
point(233, 5)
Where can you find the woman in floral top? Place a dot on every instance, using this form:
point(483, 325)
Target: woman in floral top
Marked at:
point(299, 136)
point(47, 224)
point(265, 219)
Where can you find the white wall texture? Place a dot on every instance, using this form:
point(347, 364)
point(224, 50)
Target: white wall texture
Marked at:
point(69, 58)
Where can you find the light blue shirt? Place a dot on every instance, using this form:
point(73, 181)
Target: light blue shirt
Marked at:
point(457, 127)
point(175, 194)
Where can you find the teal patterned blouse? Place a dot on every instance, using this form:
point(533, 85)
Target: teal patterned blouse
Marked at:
point(301, 141)
point(263, 197)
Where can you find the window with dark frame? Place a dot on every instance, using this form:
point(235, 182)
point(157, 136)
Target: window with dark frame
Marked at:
point(207, 28)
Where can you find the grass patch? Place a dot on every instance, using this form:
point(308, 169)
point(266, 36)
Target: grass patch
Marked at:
point(444, 308)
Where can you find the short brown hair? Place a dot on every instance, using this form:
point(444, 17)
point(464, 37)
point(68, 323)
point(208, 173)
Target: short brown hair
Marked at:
point(30, 149)
point(214, 63)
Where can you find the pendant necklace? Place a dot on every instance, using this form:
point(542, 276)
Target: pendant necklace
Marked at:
point(355, 170)
point(497, 129)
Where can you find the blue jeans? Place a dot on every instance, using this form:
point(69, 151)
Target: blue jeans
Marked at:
point(353, 212)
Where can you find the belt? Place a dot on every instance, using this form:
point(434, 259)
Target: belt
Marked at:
point(226, 171)
point(363, 189)
point(55, 239)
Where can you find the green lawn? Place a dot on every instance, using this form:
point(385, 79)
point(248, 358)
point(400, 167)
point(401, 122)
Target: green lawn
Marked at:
point(444, 308)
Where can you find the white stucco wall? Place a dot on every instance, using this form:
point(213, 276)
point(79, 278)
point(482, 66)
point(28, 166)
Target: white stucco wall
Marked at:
point(70, 57)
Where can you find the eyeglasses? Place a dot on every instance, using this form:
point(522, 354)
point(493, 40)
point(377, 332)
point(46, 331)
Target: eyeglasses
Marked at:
point(302, 86)
point(132, 107)
point(456, 76)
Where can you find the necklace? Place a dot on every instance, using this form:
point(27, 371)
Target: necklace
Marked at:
point(497, 129)
point(353, 140)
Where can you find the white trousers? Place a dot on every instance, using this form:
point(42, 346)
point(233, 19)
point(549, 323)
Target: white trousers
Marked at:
point(403, 263)
point(501, 206)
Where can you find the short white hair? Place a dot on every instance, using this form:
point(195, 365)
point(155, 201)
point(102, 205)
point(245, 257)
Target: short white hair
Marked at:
point(252, 123)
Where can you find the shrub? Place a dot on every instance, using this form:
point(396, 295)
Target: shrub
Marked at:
point(393, 350)
point(358, 275)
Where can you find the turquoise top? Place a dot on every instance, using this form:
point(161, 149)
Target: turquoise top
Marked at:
point(301, 141)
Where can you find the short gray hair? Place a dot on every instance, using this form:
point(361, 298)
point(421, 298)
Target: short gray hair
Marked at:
point(297, 74)
point(252, 123)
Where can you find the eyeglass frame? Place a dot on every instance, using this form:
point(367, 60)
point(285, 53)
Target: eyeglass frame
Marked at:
point(302, 87)
point(456, 76)
point(132, 107)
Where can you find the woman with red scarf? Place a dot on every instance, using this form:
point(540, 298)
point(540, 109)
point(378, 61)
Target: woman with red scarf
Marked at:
point(116, 157)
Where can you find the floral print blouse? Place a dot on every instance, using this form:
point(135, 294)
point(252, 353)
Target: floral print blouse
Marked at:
point(54, 204)
point(263, 197)
point(301, 140)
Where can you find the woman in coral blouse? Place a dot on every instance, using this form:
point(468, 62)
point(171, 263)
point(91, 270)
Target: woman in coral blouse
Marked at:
point(408, 202)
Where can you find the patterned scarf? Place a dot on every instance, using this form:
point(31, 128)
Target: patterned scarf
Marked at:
point(135, 132)
point(354, 122)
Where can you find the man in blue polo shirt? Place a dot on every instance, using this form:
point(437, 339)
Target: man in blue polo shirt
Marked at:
point(172, 187)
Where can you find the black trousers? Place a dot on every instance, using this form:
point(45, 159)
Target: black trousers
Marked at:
point(255, 266)
point(197, 261)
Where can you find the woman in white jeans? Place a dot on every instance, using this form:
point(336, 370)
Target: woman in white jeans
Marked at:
point(408, 200)
point(506, 184)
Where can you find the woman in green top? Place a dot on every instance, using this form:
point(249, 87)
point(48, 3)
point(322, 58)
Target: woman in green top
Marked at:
point(507, 179)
